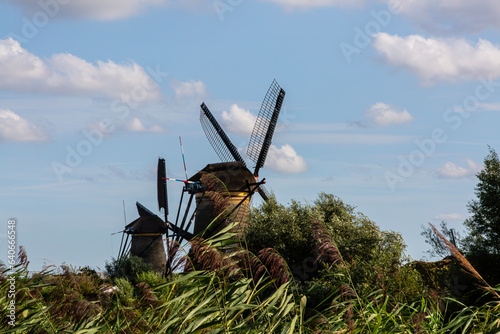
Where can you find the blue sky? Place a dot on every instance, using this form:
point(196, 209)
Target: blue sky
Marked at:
point(390, 105)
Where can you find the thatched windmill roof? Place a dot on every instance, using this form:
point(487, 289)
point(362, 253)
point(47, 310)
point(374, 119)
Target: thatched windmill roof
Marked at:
point(235, 175)
point(146, 225)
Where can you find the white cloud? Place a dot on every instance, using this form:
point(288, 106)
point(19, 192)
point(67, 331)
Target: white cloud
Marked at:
point(285, 160)
point(440, 59)
point(238, 120)
point(453, 171)
point(135, 125)
point(452, 16)
point(89, 9)
point(21, 71)
point(449, 216)
point(383, 114)
point(15, 128)
point(495, 106)
point(305, 4)
point(190, 89)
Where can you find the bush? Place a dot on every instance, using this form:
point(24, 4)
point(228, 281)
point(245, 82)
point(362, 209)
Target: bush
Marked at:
point(125, 291)
point(150, 277)
point(371, 255)
point(129, 267)
point(286, 229)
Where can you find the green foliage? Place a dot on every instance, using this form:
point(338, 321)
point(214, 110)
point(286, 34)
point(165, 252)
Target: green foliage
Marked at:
point(360, 240)
point(203, 301)
point(286, 229)
point(88, 271)
point(238, 292)
point(129, 267)
point(370, 254)
point(125, 290)
point(483, 225)
point(151, 278)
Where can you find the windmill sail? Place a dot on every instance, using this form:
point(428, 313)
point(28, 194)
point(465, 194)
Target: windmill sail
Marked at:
point(221, 143)
point(162, 187)
point(263, 193)
point(264, 127)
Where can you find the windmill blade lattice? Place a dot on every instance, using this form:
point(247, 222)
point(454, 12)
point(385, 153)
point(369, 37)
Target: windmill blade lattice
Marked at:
point(221, 143)
point(264, 127)
point(264, 193)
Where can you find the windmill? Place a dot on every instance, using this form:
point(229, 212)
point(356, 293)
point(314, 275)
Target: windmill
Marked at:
point(239, 181)
point(147, 231)
point(232, 174)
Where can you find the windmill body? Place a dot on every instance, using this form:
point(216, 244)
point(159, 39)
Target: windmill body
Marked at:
point(147, 240)
point(237, 181)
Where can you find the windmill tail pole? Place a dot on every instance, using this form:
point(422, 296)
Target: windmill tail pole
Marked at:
point(179, 209)
point(123, 250)
point(121, 245)
point(193, 216)
point(171, 251)
point(187, 211)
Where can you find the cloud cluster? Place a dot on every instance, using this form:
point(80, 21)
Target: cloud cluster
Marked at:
point(384, 114)
point(136, 125)
point(189, 89)
point(432, 16)
point(453, 171)
point(15, 128)
point(238, 120)
point(22, 71)
point(89, 9)
point(285, 160)
point(494, 106)
point(449, 216)
point(437, 17)
point(452, 17)
point(440, 59)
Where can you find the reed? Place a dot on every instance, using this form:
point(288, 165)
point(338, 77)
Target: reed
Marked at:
point(235, 292)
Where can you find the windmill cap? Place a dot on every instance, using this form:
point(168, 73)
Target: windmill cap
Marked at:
point(235, 175)
point(147, 224)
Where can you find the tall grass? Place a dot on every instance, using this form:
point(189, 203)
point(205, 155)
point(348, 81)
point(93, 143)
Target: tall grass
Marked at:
point(228, 290)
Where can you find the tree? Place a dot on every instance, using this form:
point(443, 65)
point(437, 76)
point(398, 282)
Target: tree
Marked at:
point(483, 225)
point(286, 229)
point(371, 254)
point(438, 248)
point(128, 267)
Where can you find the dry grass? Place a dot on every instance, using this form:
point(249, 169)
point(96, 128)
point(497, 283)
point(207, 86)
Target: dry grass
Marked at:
point(325, 247)
point(465, 264)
